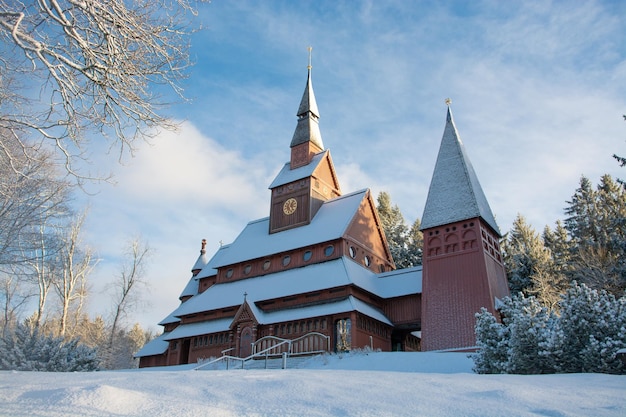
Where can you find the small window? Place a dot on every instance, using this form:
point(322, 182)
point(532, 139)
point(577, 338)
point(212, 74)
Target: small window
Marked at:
point(286, 260)
point(247, 269)
point(229, 273)
point(307, 256)
point(329, 250)
point(266, 265)
point(352, 252)
point(367, 261)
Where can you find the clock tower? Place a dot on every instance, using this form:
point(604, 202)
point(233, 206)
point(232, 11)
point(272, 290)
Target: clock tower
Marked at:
point(309, 178)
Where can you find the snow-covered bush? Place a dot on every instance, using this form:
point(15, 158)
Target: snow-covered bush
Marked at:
point(492, 340)
point(585, 337)
point(593, 326)
point(26, 349)
point(529, 327)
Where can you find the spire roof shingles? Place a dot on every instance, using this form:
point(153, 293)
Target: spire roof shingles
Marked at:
point(308, 128)
point(455, 193)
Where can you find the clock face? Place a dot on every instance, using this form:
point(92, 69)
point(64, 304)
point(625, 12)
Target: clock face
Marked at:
point(290, 206)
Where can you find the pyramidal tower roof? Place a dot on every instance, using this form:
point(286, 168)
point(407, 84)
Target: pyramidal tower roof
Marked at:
point(455, 193)
point(308, 117)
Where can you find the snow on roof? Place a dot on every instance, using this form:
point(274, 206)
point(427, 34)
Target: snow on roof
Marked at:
point(400, 282)
point(255, 241)
point(343, 306)
point(156, 346)
point(316, 277)
point(287, 175)
point(191, 288)
point(210, 268)
point(169, 320)
point(455, 193)
point(196, 329)
point(201, 261)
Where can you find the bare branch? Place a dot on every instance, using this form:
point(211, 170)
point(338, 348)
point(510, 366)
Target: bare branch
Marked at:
point(101, 66)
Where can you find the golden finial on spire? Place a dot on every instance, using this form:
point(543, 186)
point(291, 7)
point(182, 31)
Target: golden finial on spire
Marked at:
point(310, 48)
point(448, 101)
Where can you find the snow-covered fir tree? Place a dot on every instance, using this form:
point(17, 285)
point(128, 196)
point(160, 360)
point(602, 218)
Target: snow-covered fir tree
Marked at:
point(584, 337)
point(492, 340)
point(25, 348)
point(593, 327)
point(405, 243)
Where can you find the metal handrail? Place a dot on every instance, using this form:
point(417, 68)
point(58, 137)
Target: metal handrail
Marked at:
point(227, 358)
point(265, 352)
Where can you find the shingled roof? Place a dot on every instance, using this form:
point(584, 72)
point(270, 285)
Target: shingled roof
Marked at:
point(455, 193)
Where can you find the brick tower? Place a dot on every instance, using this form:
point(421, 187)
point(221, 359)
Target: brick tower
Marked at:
point(462, 262)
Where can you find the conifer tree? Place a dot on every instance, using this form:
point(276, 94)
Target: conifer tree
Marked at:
point(492, 341)
point(405, 243)
point(26, 348)
point(525, 257)
point(597, 227)
point(593, 328)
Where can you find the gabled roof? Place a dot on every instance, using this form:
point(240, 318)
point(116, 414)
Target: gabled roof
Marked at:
point(345, 305)
point(323, 309)
point(255, 241)
point(308, 128)
point(287, 175)
point(455, 193)
point(316, 277)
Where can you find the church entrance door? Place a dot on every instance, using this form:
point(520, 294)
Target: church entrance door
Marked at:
point(245, 342)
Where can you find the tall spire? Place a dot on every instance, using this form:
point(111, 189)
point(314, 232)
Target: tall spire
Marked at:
point(307, 129)
point(455, 193)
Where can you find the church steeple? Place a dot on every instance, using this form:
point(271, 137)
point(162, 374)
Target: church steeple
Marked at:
point(308, 179)
point(307, 139)
point(455, 193)
point(462, 268)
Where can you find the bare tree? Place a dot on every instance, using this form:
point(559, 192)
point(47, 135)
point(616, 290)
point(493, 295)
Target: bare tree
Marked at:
point(68, 67)
point(76, 264)
point(130, 280)
point(13, 297)
point(31, 190)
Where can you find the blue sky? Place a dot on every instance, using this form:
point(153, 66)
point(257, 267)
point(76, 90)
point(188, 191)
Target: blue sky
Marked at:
point(538, 92)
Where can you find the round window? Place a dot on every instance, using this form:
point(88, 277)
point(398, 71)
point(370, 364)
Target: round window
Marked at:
point(329, 250)
point(229, 273)
point(367, 261)
point(266, 265)
point(286, 260)
point(352, 252)
point(247, 269)
point(307, 256)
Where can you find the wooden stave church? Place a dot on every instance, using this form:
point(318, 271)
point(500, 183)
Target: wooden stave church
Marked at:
point(320, 265)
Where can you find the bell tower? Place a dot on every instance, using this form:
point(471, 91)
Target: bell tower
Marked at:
point(309, 178)
point(462, 261)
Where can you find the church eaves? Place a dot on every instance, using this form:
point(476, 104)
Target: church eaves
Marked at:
point(308, 128)
point(455, 193)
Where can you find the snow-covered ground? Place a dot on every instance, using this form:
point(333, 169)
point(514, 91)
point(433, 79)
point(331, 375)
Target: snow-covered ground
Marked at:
point(374, 384)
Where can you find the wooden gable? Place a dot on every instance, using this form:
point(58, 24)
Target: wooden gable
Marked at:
point(244, 314)
point(366, 233)
point(326, 175)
